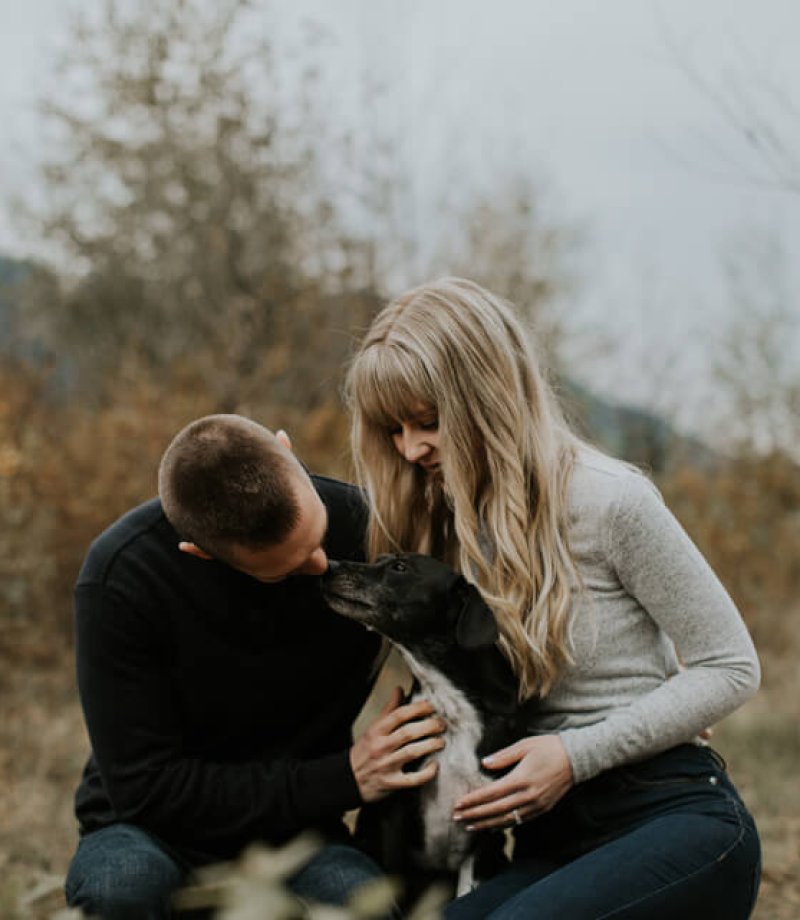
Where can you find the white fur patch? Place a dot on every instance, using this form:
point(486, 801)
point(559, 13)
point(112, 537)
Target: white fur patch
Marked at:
point(447, 844)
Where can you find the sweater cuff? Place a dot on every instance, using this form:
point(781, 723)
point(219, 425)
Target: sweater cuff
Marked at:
point(585, 750)
point(328, 786)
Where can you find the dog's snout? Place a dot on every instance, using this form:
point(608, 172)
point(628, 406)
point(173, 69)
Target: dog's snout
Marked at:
point(333, 565)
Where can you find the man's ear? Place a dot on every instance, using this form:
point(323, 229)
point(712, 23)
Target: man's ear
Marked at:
point(476, 626)
point(285, 440)
point(192, 549)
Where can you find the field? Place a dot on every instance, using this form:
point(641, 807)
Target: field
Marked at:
point(209, 234)
point(65, 472)
point(43, 746)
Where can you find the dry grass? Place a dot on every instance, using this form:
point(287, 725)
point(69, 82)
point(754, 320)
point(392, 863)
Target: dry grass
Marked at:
point(43, 746)
point(42, 749)
point(761, 743)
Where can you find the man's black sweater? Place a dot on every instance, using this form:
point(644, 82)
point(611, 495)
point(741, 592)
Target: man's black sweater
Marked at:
point(219, 708)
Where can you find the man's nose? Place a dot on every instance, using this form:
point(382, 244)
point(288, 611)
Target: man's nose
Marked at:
point(317, 563)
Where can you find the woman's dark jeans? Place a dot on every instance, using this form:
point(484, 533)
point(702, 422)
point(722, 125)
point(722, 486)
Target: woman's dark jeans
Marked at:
point(664, 839)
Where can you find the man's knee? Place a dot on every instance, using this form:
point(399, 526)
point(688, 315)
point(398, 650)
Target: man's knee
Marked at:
point(334, 873)
point(121, 872)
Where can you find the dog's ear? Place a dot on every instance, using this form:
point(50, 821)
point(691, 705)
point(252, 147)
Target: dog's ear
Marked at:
point(475, 624)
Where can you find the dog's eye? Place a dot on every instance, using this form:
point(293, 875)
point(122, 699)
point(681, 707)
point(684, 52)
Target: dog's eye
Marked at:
point(399, 566)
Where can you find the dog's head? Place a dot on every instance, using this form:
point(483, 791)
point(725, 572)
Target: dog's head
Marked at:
point(415, 601)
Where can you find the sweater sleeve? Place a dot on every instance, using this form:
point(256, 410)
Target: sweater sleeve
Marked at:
point(134, 724)
point(659, 566)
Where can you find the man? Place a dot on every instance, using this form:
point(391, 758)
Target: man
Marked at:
point(218, 689)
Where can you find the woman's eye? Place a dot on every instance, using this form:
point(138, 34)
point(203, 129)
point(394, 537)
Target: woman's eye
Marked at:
point(430, 424)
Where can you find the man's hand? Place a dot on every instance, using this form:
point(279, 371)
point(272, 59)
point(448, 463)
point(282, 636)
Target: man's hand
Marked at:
point(399, 735)
point(542, 775)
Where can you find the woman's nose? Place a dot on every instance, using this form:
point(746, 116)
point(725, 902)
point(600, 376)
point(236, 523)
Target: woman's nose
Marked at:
point(413, 446)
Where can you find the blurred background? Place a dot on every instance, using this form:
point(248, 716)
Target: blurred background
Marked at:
point(204, 202)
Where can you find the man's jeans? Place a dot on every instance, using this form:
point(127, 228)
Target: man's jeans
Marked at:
point(122, 873)
point(663, 839)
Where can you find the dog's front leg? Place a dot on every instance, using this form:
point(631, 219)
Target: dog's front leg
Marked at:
point(466, 876)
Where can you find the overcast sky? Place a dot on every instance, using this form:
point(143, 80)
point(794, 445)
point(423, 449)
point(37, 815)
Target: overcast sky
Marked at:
point(591, 98)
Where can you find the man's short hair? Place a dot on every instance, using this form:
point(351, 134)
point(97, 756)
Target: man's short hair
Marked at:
point(225, 480)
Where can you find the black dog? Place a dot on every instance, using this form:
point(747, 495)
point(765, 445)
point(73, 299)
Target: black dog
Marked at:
point(447, 635)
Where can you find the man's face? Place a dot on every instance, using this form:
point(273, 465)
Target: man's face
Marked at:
point(300, 553)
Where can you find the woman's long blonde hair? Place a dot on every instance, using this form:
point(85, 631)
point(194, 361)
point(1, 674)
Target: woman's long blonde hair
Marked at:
point(500, 515)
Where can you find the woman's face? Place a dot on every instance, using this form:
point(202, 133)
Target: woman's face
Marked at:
point(417, 439)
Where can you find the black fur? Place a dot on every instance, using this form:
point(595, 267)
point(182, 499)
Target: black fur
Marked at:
point(442, 622)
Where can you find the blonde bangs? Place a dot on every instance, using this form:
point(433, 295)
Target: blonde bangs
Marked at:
point(387, 385)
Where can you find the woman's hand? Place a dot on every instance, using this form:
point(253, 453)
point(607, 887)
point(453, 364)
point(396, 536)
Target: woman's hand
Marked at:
point(542, 775)
point(400, 734)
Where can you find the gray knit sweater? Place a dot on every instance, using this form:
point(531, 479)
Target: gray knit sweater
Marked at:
point(649, 597)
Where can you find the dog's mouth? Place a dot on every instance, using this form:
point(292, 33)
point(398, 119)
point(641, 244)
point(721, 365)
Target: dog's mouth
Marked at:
point(334, 598)
point(353, 607)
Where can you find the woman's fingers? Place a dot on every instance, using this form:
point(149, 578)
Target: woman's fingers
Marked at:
point(541, 776)
point(495, 799)
point(499, 811)
point(507, 756)
point(489, 794)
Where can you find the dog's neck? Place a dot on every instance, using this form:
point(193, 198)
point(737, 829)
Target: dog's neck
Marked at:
point(450, 703)
point(489, 719)
point(465, 670)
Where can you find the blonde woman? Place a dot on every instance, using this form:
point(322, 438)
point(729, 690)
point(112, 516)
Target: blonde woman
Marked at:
point(618, 809)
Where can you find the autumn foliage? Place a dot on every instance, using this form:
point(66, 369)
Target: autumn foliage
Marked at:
point(67, 469)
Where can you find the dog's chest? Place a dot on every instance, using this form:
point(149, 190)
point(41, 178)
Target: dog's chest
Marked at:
point(447, 843)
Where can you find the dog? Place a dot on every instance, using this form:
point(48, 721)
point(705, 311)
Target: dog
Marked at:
point(447, 635)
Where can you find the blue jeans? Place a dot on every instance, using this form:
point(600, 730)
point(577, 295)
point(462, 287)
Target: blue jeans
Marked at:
point(121, 872)
point(663, 839)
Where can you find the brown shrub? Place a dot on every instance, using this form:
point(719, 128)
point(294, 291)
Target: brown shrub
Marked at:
point(67, 471)
point(745, 517)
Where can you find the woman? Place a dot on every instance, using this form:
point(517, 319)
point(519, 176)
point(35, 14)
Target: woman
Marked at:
point(625, 643)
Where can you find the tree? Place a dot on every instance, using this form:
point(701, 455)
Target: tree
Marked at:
point(506, 241)
point(758, 353)
point(188, 191)
point(762, 118)
point(184, 197)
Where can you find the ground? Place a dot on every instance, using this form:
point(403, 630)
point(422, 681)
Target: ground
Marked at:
point(43, 746)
